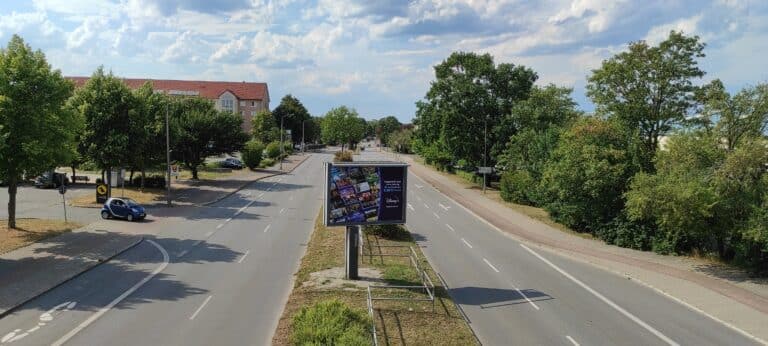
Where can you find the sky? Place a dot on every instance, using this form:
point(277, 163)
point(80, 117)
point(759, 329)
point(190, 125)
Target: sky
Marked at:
point(376, 56)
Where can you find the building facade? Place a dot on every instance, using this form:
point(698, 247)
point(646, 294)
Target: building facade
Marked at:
point(243, 98)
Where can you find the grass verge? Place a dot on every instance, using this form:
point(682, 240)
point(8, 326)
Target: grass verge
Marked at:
point(142, 197)
point(28, 231)
point(397, 322)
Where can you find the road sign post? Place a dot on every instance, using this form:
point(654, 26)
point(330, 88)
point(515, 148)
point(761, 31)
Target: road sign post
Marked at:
point(63, 191)
point(484, 171)
point(101, 193)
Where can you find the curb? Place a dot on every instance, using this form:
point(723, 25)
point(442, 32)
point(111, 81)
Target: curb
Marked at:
point(249, 182)
point(73, 276)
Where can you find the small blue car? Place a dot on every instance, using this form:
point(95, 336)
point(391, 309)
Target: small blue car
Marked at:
point(124, 208)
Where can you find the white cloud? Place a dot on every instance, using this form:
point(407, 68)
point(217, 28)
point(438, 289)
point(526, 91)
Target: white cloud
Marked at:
point(88, 30)
point(687, 25)
point(598, 14)
point(186, 48)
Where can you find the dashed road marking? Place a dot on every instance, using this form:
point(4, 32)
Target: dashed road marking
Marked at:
point(466, 243)
point(490, 265)
point(436, 216)
point(444, 207)
point(282, 210)
point(201, 307)
point(411, 207)
point(220, 226)
point(524, 296)
point(571, 340)
point(450, 228)
point(243, 256)
point(267, 228)
point(426, 205)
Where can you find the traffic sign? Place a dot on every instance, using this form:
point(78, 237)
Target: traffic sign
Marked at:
point(485, 170)
point(101, 193)
point(62, 189)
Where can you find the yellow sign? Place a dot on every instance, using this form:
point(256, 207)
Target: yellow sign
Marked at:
point(101, 189)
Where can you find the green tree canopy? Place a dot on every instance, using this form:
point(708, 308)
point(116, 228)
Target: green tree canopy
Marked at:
point(738, 117)
point(387, 126)
point(200, 131)
point(264, 127)
point(649, 89)
point(293, 113)
point(342, 125)
point(36, 131)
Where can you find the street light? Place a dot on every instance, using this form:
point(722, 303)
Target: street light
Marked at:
point(302, 136)
point(282, 147)
point(167, 159)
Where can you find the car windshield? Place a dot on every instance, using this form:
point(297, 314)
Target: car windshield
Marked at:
point(131, 203)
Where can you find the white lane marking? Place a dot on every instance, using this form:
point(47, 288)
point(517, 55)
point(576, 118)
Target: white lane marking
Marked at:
point(261, 194)
point(290, 198)
point(181, 254)
point(117, 300)
point(208, 234)
point(603, 298)
point(426, 205)
point(436, 216)
point(571, 340)
point(247, 194)
point(220, 226)
point(228, 219)
point(467, 243)
point(490, 265)
point(411, 207)
point(282, 210)
point(196, 243)
point(444, 207)
point(269, 189)
point(201, 307)
point(524, 296)
point(9, 336)
point(450, 228)
point(419, 198)
point(279, 180)
point(267, 228)
point(418, 186)
point(243, 257)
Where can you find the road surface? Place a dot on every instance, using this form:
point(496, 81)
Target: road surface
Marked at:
point(514, 293)
point(218, 276)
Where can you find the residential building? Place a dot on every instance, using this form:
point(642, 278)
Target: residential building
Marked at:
point(243, 98)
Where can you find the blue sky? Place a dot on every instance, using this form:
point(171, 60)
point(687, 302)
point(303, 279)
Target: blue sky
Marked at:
point(375, 56)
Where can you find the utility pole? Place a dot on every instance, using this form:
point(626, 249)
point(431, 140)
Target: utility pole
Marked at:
point(302, 136)
point(485, 150)
point(282, 147)
point(167, 159)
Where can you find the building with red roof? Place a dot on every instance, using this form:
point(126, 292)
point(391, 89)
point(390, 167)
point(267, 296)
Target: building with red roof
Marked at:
point(244, 98)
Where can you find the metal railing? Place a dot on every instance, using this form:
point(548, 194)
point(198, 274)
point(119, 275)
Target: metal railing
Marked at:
point(426, 282)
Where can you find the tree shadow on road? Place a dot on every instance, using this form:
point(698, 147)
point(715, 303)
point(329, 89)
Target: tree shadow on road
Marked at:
point(487, 298)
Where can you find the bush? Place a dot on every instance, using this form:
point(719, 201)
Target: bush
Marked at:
point(273, 150)
point(342, 156)
point(288, 148)
point(624, 232)
point(393, 232)
point(252, 153)
point(517, 187)
point(266, 162)
point(154, 181)
point(330, 322)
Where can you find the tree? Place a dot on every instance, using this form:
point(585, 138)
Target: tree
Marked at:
point(200, 131)
point(385, 127)
point(401, 140)
point(649, 89)
point(106, 105)
point(252, 153)
point(587, 175)
point(264, 127)
point(467, 99)
point(342, 125)
point(735, 118)
point(293, 114)
point(36, 131)
point(147, 124)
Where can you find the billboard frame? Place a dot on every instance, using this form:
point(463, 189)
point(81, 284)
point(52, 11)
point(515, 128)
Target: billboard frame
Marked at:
point(326, 191)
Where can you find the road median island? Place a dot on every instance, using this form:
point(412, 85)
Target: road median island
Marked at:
point(28, 231)
point(385, 261)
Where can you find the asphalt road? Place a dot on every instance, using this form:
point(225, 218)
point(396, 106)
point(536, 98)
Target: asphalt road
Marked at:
point(518, 294)
point(218, 275)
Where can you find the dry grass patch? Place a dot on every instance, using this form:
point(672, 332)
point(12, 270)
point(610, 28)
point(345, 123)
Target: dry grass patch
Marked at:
point(397, 323)
point(28, 231)
point(147, 196)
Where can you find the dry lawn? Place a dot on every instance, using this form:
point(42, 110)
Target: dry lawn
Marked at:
point(28, 231)
point(147, 196)
point(397, 323)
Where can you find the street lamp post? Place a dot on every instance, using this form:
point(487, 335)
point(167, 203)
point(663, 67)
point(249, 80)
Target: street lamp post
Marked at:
point(302, 136)
point(282, 147)
point(167, 159)
point(485, 150)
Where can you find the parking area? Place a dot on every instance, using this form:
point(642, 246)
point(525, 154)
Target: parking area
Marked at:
point(32, 202)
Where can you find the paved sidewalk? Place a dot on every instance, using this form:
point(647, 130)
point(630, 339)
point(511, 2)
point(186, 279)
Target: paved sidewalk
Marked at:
point(716, 290)
point(30, 271)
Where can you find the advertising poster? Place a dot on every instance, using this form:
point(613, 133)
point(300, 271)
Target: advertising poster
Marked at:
point(365, 193)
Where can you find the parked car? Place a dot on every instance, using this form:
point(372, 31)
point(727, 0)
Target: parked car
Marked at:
point(232, 163)
point(51, 180)
point(123, 208)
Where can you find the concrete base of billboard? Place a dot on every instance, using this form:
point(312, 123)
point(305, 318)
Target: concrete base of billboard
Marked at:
point(351, 251)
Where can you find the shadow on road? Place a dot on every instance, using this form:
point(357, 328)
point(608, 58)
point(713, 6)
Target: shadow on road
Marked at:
point(487, 298)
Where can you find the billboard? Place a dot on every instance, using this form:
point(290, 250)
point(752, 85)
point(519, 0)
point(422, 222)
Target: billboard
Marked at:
point(365, 193)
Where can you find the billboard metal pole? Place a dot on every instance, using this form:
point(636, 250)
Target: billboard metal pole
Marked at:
point(350, 252)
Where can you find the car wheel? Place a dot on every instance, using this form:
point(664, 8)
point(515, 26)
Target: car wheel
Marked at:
point(105, 215)
point(130, 217)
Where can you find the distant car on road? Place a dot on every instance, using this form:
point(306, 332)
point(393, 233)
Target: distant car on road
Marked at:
point(232, 163)
point(51, 180)
point(123, 208)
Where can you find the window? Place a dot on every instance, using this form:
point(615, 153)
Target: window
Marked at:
point(242, 103)
point(228, 105)
point(253, 113)
point(242, 113)
point(253, 103)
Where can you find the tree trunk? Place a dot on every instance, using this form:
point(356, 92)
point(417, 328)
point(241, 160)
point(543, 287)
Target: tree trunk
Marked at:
point(12, 188)
point(194, 172)
point(109, 182)
point(73, 174)
point(130, 179)
point(142, 178)
point(102, 176)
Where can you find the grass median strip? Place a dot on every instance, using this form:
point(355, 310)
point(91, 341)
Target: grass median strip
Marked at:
point(28, 231)
point(319, 280)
